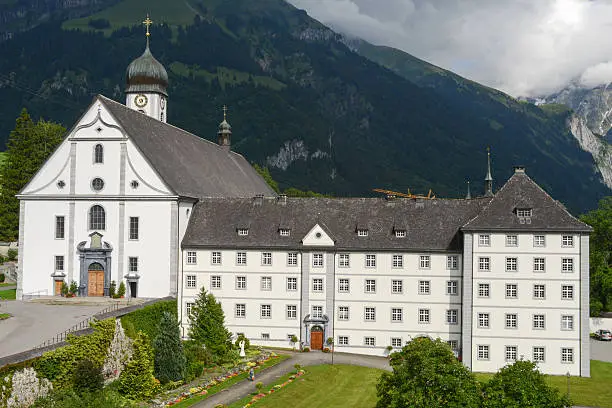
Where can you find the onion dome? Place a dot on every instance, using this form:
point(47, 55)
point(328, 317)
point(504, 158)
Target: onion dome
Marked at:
point(146, 74)
point(225, 131)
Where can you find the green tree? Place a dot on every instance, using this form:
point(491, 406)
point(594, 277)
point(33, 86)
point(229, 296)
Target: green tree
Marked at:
point(169, 357)
point(600, 256)
point(208, 325)
point(521, 385)
point(29, 146)
point(426, 374)
point(137, 380)
point(87, 377)
point(265, 174)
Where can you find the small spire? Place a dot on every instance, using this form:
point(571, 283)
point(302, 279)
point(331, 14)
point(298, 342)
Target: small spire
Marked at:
point(225, 112)
point(488, 178)
point(468, 196)
point(225, 131)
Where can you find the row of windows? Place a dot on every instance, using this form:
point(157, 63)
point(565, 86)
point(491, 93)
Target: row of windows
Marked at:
point(97, 221)
point(369, 313)
point(452, 261)
point(484, 240)
point(538, 353)
point(539, 264)
point(538, 291)
point(286, 232)
point(132, 263)
point(512, 321)
point(396, 342)
point(370, 285)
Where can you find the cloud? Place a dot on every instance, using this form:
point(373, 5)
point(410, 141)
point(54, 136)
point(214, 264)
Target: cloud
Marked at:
point(523, 47)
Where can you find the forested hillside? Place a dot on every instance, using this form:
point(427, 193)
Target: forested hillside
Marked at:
point(320, 116)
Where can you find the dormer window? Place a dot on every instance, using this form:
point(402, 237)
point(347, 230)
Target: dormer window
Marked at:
point(243, 232)
point(361, 232)
point(284, 232)
point(400, 233)
point(523, 212)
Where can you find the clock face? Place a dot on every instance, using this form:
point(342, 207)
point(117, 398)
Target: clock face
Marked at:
point(162, 102)
point(140, 101)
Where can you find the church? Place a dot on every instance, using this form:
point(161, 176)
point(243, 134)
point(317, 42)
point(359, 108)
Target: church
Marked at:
point(129, 198)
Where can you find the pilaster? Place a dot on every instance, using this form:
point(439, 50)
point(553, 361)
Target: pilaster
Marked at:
point(305, 295)
point(330, 283)
point(467, 296)
point(174, 247)
point(585, 345)
point(21, 250)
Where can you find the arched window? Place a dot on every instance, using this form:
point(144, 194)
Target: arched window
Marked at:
point(99, 154)
point(97, 218)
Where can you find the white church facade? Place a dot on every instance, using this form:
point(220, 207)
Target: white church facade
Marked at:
point(129, 198)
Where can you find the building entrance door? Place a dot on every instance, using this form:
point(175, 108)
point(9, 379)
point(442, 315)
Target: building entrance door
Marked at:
point(95, 284)
point(133, 289)
point(57, 290)
point(316, 338)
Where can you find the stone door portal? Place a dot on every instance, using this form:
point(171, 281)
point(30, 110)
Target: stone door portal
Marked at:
point(57, 290)
point(316, 338)
point(95, 282)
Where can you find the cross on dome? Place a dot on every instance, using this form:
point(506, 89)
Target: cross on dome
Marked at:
point(148, 22)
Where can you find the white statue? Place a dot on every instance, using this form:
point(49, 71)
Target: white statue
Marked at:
point(241, 344)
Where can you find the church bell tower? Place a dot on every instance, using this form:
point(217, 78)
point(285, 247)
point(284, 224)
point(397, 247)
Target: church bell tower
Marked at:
point(147, 83)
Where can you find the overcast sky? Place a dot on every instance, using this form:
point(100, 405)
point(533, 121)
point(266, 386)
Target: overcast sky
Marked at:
point(523, 47)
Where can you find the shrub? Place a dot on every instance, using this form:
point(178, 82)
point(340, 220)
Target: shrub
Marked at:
point(147, 319)
point(73, 288)
point(69, 399)
point(87, 377)
point(112, 289)
point(330, 341)
point(12, 254)
point(2, 277)
point(306, 349)
point(247, 343)
point(169, 361)
point(198, 358)
point(59, 365)
point(2, 259)
point(326, 350)
point(259, 387)
point(297, 367)
point(121, 291)
point(64, 289)
point(137, 381)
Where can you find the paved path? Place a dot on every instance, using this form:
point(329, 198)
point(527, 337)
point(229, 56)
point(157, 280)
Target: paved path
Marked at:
point(244, 388)
point(601, 350)
point(33, 323)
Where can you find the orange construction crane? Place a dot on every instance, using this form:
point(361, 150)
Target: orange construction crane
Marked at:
point(430, 195)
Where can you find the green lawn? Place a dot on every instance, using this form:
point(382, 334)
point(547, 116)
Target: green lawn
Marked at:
point(132, 12)
point(7, 284)
point(322, 387)
point(8, 294)
point(4, 316)
point(591, 392)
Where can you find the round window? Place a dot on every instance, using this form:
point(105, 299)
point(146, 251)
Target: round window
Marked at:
point(97, 184)
point(318, 235)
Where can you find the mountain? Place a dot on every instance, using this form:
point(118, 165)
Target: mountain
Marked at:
point(590, 121)
point(319, 115)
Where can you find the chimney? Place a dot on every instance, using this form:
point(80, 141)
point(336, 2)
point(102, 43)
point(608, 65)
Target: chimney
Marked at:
point(258, 199)
point(519, 169)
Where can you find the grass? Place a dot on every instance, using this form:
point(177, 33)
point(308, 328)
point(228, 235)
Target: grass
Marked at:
point(128, 13)
point(591, 392)
point(4, 316)
point(8, 294)
point(7, 284)
point(225, 76)
point(228, 383)
point(323, 386)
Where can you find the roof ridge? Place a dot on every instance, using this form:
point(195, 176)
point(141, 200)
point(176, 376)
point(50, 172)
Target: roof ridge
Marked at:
point(122, 106)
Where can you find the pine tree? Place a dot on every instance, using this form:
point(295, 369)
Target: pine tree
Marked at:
point(169, 357)
point(137, 380)
point(29, 146)
point(208, 325)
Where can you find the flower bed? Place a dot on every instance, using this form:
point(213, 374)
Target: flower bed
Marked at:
point(204, 389)
point(274, 389)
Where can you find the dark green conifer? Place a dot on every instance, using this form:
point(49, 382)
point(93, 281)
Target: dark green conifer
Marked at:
point(208, 325)
point(169, 357)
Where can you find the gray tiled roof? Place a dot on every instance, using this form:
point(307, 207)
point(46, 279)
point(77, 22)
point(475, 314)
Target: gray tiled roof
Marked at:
point(191, 166)
point(520, 191)
point(431, 225)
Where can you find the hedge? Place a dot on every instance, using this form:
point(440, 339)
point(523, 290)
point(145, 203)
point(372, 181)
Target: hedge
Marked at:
point(146, 319)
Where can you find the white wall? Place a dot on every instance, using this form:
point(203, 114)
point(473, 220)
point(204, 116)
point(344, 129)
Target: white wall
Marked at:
point(596, 323)
point(525, 337)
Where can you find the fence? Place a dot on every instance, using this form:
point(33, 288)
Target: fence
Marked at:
point(84, 324)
